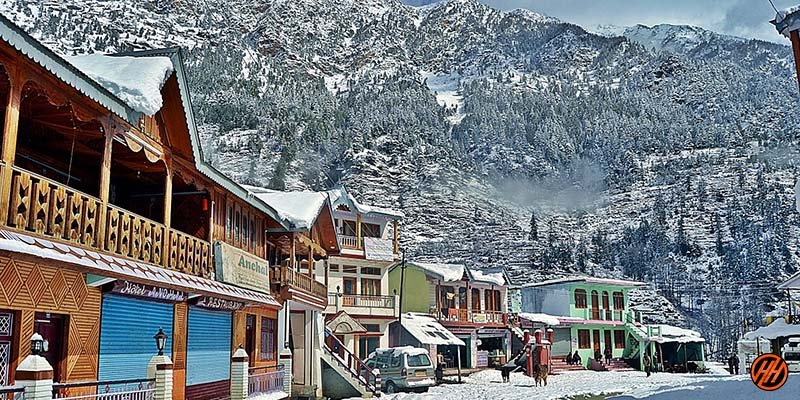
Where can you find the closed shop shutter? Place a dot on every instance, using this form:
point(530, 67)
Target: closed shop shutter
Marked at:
point(208, 346)
point(126, 336)
point(561, 341)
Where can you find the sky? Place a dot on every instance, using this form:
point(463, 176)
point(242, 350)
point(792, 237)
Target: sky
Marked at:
point(745, 18)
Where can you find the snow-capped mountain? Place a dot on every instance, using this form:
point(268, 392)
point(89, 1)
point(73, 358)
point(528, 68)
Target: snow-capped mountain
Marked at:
point(510, 138)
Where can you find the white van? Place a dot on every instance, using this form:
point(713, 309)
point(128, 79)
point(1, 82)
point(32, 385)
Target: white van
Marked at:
point(403, 368)
point(791, 354)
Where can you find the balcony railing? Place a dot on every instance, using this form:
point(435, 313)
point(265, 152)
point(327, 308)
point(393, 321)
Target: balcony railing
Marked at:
point(53, 210)
point(349, 242)
point(283, 275)
point(368, 301)
point(133, 389)
point(471, 316)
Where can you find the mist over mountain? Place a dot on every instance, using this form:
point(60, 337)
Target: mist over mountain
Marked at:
point(508, 138)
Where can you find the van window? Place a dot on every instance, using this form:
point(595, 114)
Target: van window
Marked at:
point(419, 360)
point(395, 361)
point(791, 357)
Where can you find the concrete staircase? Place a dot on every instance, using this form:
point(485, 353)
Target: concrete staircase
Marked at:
point(618, 365)
point(560, 365)
point(347, 375)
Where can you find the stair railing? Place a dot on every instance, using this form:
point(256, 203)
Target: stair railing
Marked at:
point(349, 361)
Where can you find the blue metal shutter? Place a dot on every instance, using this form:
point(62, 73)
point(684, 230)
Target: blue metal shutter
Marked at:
point(126, 336)
point(208, 346)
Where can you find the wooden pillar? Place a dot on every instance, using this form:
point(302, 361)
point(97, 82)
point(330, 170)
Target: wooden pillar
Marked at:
point(293, 254)
point(168, 196)
point(311, 261)
point(396, 237)
point(10, 140)
point(105, 181)
point(358, 232)
point(795, 38)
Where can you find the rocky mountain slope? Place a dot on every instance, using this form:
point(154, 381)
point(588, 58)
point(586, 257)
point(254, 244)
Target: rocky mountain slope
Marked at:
point(663, 153)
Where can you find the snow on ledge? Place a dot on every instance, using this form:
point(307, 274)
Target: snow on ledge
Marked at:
point(135, 80)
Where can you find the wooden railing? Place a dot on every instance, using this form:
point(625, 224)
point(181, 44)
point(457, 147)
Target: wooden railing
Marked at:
point(471, 316)
point(50, 209)
point(349, 242)
point(12, 393)
point(367, 301)
point(284, 275)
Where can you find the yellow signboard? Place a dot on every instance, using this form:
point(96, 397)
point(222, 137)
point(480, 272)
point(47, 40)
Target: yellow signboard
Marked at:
point(241, 268)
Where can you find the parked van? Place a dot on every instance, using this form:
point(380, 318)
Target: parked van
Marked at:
point(791, 354)
point(403, 369)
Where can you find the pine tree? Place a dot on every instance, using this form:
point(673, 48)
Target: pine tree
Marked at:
point(534, 235)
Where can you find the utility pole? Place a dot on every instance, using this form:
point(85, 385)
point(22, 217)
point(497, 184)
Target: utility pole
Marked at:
point(402, 285)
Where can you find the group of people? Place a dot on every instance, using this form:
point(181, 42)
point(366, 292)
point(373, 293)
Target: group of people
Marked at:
point(575, 358)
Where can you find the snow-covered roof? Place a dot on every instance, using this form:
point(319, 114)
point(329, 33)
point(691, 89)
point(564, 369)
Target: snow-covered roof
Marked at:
point(301, 209)
point(586, 279)
point(778, 328)
point(340, 196)
point(791, 283)
point(407, 350)
point(787, 20)
point(445, 272)
point(495, 278)
point(135, 80)
point(428, 331)
point(674, 334)
point(546, 319)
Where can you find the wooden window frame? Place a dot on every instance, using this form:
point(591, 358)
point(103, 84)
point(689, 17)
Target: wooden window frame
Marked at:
point(584, 339)
point(619, 343)
point(619, 306)
point(581, 298)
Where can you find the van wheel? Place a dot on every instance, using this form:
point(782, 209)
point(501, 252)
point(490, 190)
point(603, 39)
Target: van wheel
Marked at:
point(391, 388)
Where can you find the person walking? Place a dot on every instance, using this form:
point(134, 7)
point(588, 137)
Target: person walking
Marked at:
point(609, 355)
point(646, 362)
point(730, 364)
point(735, 364)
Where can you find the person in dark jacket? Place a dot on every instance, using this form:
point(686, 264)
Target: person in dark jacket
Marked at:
point(576, 359)
point(735, 364)
point(609, 355)
point(598, 356)
point(568, 359)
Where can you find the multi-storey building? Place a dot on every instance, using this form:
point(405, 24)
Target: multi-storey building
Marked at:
point(472, 304)
point(112, 226)
point(358, 281)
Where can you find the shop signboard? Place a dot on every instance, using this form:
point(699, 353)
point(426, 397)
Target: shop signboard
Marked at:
point(134, 289)
point(241, 268)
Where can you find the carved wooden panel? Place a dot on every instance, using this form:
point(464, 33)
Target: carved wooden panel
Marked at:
point(58, 212)
point(136, 238)
point(112, 229)
point(28, 286)
point(74, 218)
point(41, 206)
point(20, 200)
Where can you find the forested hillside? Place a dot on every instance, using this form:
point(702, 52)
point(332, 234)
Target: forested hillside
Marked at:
point(665, 153)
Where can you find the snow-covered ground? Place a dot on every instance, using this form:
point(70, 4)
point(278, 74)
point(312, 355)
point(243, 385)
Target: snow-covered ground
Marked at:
point(625, 385)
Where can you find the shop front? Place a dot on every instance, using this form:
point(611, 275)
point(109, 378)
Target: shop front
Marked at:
point(208, 347)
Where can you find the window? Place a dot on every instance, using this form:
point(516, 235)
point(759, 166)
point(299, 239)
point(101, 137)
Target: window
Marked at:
point(497, 300)
point(488, 301)
point(350, 269)
point(476, 299)
point(372, 327)
point(580, 298)
point(619, 301)
point(253, 241)
point(349, 286)
point(418, 360)
point(619, 339)
point(229, 223)
point(245, 231)
point(268, 339)
point(462, 298)
point(334, 267)
point(584, 342)
point(370, 230)
point(349, 228)
point(371, 271)
point(605, 301)
point(395, 361)
point(371, 287)
point(237, 223)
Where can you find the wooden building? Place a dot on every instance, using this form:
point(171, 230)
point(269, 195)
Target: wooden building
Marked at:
point(112, 226)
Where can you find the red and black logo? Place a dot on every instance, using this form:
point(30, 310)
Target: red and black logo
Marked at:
point(769, 372)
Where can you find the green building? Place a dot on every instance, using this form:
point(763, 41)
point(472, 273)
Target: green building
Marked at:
point(592, 314)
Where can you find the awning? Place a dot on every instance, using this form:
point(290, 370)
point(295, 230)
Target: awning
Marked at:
point(428, 331)
point(121, 268)
point(778, 328)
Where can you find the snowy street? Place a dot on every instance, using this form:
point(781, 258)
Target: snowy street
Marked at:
point(618, 385)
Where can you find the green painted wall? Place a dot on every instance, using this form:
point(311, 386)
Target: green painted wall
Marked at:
point(416, 292)
point(586, 354)
point(586, 313)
